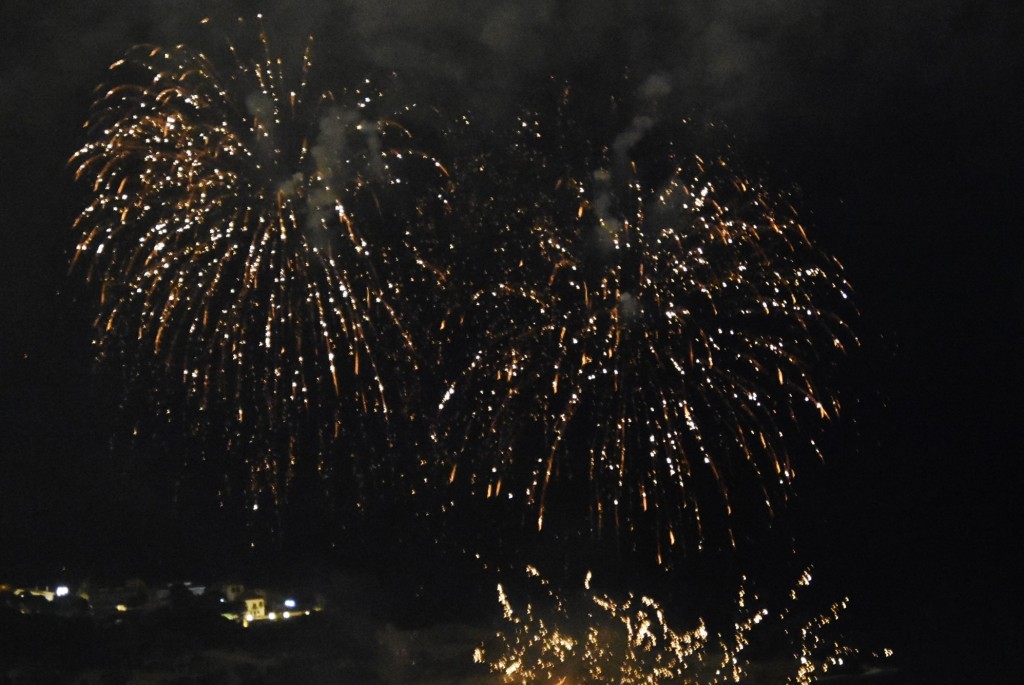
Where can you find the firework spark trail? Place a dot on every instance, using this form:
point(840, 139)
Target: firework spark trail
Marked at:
point(599, 639)
point(237, 237)
point(643, 339)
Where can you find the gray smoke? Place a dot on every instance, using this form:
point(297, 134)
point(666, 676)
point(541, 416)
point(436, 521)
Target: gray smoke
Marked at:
point(346, 145)
point(772, 70)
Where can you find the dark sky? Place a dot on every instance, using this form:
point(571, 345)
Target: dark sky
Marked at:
point(900, 122)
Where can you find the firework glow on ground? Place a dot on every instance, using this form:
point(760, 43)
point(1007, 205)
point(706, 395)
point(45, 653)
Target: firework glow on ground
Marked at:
point(598, 639)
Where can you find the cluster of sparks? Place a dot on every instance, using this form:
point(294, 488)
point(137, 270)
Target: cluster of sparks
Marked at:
point(236, 240)
point(641, 338)
point(643, 341)
point(630, 642)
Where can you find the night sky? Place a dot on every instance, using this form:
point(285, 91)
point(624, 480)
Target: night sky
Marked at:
point(898, 123)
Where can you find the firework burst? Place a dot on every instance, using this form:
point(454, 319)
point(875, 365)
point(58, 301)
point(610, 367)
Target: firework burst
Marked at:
point(243, 237)
point(645, 342)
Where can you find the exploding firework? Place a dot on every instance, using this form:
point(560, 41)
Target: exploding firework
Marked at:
point(252, 240)
point(603, 640)
point(643, 341)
